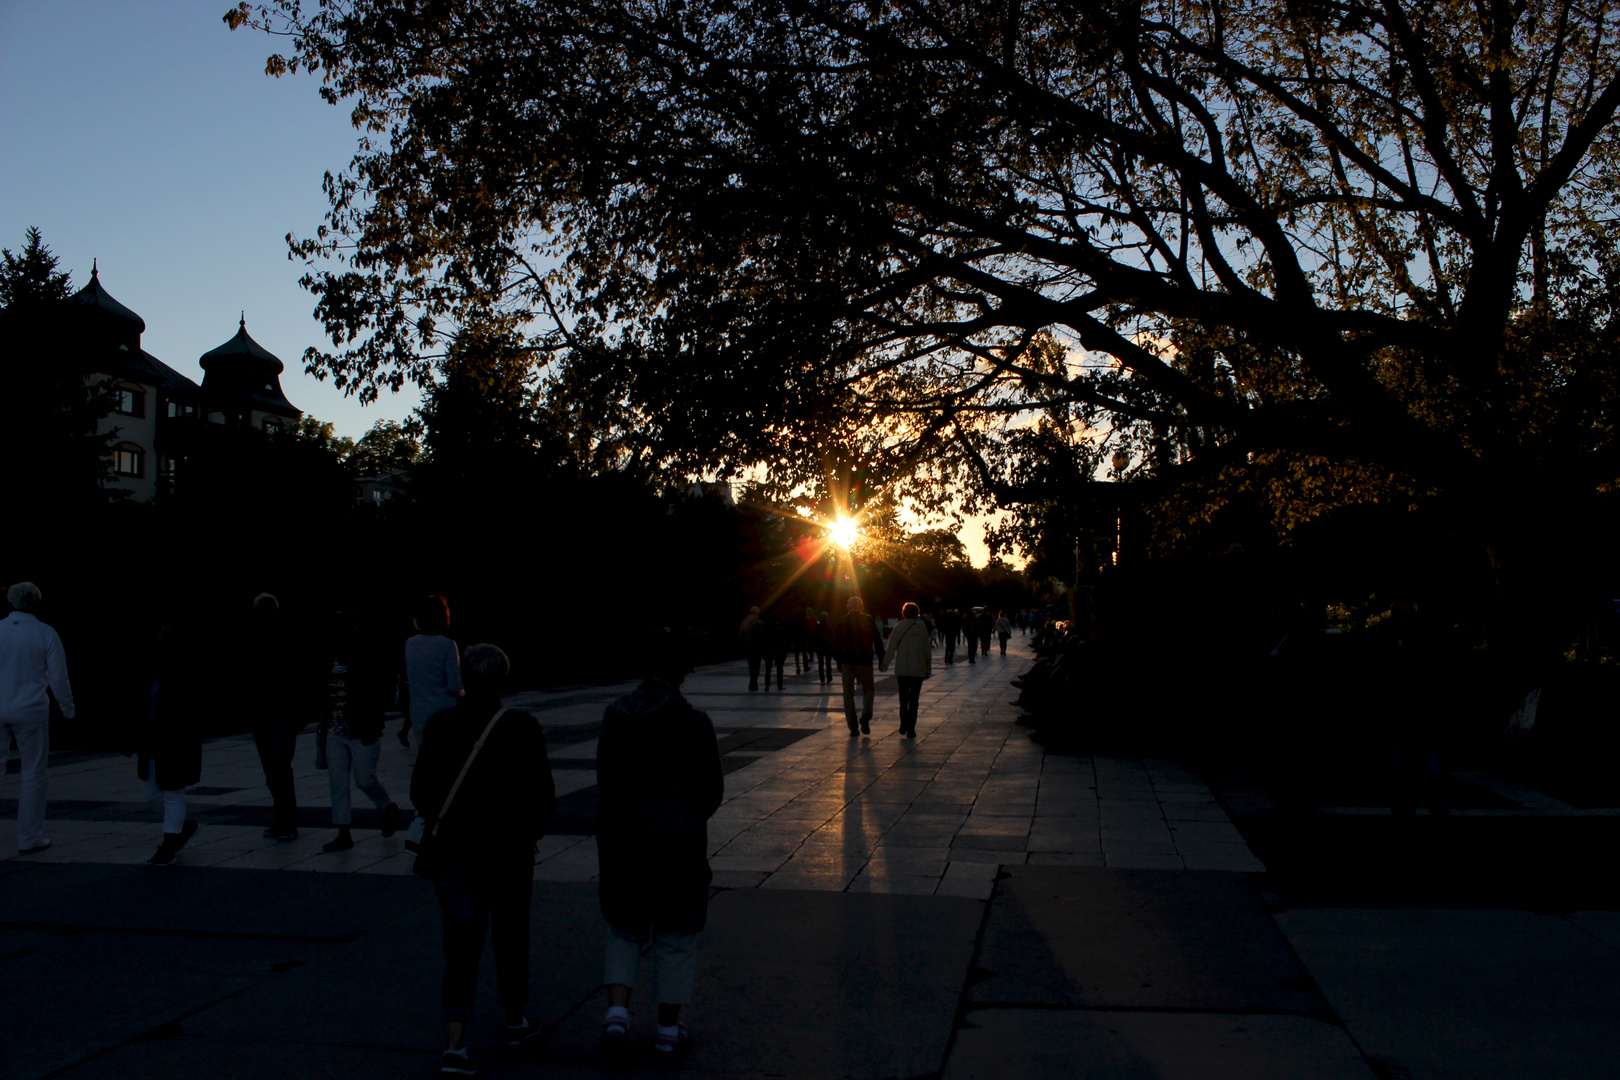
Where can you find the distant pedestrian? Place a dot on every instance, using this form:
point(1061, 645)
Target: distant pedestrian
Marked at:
point(485, 844)
point(775, 648)
point(821, 640)
point(31, 663)
point(659, 778)
point(168, 737)
point(277, 693)
point(984, 624)
point(857, 643)
point(431, 671)
point(798, 634)
point(950, 628)
point(431, 678)
point(1003, 630)
point(752, 632)
point(912, 656)
point(358, 688)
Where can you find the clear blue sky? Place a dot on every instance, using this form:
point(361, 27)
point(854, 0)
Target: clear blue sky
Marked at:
point(145, 134)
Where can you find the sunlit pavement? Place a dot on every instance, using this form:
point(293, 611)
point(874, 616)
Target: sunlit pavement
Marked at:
point(807, 806)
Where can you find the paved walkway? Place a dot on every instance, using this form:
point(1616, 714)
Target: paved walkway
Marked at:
point(960, 906)
point(807, 806)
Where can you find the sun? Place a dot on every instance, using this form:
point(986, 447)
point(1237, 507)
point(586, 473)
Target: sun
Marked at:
point(843, 533)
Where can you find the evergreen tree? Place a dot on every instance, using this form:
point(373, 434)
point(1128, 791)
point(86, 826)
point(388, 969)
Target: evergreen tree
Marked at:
point(48, 414)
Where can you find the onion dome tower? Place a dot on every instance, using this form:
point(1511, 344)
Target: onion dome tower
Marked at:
point(104, 321)
point(242, 383)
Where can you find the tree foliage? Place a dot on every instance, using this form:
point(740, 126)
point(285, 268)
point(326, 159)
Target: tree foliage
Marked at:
point(1369, 246)
point(49, 411)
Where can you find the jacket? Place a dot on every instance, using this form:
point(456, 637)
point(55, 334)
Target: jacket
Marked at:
point(169, 729)
point(658, 782)
point(855, 639)
point(910, 652)
point(508, 798)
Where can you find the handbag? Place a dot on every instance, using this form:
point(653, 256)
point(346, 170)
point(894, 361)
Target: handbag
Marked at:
point(430, 861)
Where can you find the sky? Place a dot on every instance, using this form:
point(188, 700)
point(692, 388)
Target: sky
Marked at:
point(145, 135)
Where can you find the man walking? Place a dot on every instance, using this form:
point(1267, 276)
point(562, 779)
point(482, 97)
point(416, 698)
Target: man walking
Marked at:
point(950, 627)
point(858, 645)
point(276, 695)
point(31, 660)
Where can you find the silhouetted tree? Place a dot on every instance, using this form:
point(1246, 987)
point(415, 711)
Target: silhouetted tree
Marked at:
point(1331, 253)
point(48, 413)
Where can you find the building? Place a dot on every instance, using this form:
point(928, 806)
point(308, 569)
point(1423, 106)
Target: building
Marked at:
point(153, 404)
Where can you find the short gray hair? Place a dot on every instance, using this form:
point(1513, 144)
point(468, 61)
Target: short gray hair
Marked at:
point(485, 667)
point(24, 596)
point(267, 600)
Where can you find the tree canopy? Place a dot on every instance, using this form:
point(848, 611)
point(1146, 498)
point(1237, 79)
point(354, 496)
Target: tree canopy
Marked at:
point(1338, 249)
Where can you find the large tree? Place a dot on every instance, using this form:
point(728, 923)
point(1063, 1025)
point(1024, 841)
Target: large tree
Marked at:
point(1367, 242)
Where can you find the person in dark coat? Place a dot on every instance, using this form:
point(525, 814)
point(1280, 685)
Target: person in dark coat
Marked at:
point(776, 649)
point(859, 645)
point(487, 839)
point(168, 737)
point(278, 692)
point(821, 641)
point(659, 781)
point(950, 627)
point(752, 632)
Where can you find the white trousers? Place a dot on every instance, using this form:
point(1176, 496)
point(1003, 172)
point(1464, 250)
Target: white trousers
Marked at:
point(344, 755)
point(674, 960)
point(170, 804)
point(34, 746)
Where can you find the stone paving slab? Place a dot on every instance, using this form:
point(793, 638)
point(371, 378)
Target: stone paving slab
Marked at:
point(1140, 939)
point(1437, 994)
point(1025, 1044)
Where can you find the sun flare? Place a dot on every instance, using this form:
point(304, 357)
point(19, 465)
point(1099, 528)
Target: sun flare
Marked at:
point(843, 533)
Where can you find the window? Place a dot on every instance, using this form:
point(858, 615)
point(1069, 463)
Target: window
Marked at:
point(180, 408)
point(272, 425)
point(129, 460)
point(129, 400)
point(166, 471)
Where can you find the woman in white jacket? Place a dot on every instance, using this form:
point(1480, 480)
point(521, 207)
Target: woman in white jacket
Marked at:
point(912, 655)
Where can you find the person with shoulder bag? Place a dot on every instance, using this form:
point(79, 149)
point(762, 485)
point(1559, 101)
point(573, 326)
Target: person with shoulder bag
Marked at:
point(483, 782)
point(912, 655)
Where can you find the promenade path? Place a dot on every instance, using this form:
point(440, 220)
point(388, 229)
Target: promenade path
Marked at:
point(958, 905)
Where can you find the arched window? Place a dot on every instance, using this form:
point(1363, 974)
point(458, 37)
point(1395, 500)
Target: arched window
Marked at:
point(129, 399)
point(129, 460)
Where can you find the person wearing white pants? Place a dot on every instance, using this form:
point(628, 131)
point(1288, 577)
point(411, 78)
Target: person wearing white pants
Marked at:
point(31, 661)
point(359, 685)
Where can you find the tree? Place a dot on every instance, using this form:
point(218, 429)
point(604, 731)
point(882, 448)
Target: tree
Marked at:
point(387, 447)
point(49, 412)
point(1369, 243)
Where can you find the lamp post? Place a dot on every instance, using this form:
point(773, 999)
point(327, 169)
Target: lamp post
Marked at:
point(1122, 461)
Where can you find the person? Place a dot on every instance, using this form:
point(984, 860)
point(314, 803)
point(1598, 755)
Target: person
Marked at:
point(797, 633)
point(822, 640)
point(1003, 630)
point(912, 656)
point(752, 632)
point(31, 662)
point(356, 694)
point(487, 838)
point(431, 672)
point(277, 698)
point(430, 678)
point(168, 739)
point(985, 627)
point(659, 781)
point(775, 646)
point(857, 643)
point(950, 625)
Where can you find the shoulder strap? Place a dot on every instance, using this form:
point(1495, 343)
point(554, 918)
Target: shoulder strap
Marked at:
point(477, 746)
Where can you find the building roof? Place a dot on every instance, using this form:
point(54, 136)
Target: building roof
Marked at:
point(242, 350)
point(99, 301)
point(244, 374)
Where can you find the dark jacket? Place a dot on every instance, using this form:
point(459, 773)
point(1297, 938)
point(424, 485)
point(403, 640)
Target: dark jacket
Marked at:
point(856, 639)
point(659, 781)
point(169, 725)
point(276, 679)
point(508, 797)
point(369, 684)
